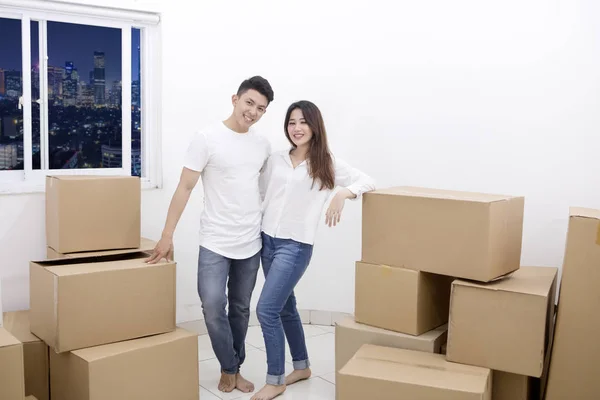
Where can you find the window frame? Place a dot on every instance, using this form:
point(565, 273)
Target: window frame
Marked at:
point(32, 181)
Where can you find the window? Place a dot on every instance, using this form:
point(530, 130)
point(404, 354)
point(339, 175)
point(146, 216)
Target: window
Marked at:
point(11, 115)
point(79, 91)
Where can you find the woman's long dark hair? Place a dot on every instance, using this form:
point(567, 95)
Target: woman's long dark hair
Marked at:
point(320, 162)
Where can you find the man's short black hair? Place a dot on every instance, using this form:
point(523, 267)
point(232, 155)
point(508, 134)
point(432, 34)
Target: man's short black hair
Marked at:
point(258, 83)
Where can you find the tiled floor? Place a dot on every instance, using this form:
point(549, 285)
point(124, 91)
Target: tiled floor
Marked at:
point(320, 341)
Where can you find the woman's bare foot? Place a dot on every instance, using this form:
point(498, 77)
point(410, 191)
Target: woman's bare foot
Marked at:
point(244, 385)
point(227, 382)
point(269, 392)
point(297, 375)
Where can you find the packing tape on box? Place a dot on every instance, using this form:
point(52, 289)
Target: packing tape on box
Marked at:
point(386, 271)
point(598, 235)
point(473, 371)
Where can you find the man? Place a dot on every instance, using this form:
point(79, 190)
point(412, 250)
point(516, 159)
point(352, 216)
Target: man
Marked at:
point(229, 156)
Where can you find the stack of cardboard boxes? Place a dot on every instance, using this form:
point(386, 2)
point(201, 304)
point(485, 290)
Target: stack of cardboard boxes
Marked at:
point(106, 319)
point(437, 263)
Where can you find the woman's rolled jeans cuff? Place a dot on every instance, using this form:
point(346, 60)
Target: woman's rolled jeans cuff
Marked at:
point(304, 364)
point(280, 380)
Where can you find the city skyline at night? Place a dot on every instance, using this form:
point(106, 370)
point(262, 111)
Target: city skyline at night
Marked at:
point(84, 97)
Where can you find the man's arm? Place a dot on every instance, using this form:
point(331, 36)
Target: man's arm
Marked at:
point(164, 247)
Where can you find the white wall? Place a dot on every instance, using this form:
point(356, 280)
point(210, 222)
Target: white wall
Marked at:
point(468, 95)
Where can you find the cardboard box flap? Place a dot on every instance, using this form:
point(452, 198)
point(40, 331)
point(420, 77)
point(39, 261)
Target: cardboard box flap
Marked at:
point(387, 267)
point(416, 359)
point(90, 268)
point(584, 212)
point(88, 177)
point(96, 257)
point(433, 334)
point(535, 281)
point(17, 323)
point(109, 350)
point(6, 339)
point(146, 245)
point(444, 194)
point(417, 368)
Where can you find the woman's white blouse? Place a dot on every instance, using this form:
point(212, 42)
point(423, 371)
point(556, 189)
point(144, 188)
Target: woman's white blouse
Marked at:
point(292, 205)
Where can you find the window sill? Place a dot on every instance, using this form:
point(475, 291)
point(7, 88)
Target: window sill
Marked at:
point(10, 188)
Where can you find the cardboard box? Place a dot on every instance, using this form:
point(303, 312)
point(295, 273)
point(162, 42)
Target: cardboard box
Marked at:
point(88, 213)
point(88, 302)
point(507, 386)
point(35, 355)
point(468, 235)
point(400, 299)
point(12, 379)
point(146, 246)
point(350, 336)
point(541, 384)
point(1, 313)
point(152, 368)
point(503, 325)
point(408, 374)
point(573, 370)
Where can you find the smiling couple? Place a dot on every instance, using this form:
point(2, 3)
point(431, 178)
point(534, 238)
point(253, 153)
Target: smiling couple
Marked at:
point(259, 208)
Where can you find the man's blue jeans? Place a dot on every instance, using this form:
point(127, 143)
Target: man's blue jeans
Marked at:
point(284, 262)
point(227, 331)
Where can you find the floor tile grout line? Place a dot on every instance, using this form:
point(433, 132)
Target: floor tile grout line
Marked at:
point(324, 380)
point(211, 392)
point(253, 347)
point(221, 398)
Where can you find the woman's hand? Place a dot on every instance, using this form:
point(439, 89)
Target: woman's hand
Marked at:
point(334, 212)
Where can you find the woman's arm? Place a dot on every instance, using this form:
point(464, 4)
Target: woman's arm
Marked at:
point(353, 182)
point(352, 179)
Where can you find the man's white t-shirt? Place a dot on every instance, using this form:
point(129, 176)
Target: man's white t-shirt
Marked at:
point(230, 163)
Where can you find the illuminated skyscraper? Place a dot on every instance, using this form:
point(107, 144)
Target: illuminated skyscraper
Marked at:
point(70, 84)
point(8, 156)
point(99, 78)
point(2, 87)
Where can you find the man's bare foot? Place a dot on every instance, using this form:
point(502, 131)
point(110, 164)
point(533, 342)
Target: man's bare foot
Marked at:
point(269, 392)
point(297, 375)
point(243, 385)
point(227, 382)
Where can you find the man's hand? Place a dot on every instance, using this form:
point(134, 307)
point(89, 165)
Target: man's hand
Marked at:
point(163, 249)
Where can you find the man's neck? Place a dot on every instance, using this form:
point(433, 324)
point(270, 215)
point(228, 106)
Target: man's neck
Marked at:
point(233, 125)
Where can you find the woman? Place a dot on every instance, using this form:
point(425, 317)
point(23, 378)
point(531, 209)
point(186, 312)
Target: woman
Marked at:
point(296, 184)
